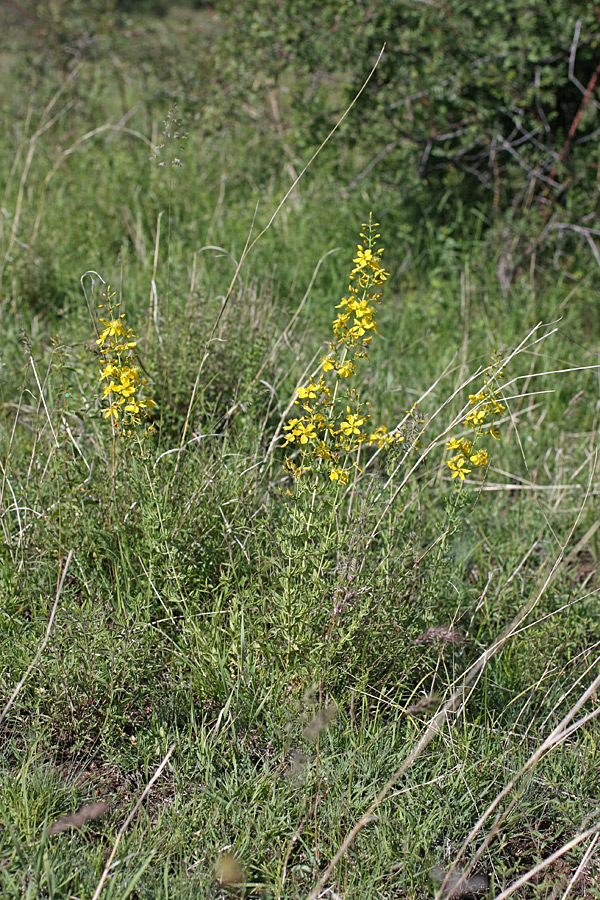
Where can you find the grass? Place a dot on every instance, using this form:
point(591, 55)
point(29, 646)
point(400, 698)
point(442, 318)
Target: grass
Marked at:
point(404, 670)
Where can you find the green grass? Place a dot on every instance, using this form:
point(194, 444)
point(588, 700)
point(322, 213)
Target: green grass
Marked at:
point(283, 643)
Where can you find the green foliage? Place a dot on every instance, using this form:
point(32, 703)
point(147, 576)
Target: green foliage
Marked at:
point(482, 105)
point(292, 640)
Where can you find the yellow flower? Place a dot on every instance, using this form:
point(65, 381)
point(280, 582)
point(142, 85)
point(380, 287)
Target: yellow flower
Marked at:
point(110, 388)
point(114, 328)
point(383, 439)
point(476, 398)
point(340, 322)
point(123, 379)
point(363, 258)
point(305, 433)
point(339, 475)
point(325, 431)
point(480, 458)
point(367, 260)
point(352, 424)
point(461, 444)
point(300, 432)
point(322, 451)
point(458, 466)
point(307, 392)
point(488, 406)
point(362, 309)
point(291, 427)
point(112, 411)
point(475, 418)
point(137, 406)
point(109, 371)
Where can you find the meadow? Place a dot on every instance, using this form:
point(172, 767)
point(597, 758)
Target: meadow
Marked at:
point(299, 585)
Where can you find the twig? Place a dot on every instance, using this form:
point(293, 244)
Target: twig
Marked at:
point(548, 181)
point(585, 232)
point(587, 95)
point(572, 56)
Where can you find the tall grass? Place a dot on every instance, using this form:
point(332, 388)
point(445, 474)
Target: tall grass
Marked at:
point(248, 683)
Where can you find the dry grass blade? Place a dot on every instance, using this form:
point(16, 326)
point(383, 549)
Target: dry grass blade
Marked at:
point(44, 643)
point(524, 879)
point(558, 735)
point(581, 867)
point(128, 821)
point(249, 246)
point(434, 727)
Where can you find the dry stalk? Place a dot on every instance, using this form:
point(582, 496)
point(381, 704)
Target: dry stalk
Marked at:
point(128, 821)
point(44, 643)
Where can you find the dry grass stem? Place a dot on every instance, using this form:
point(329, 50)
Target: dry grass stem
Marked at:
point(44, 643)
point(129, 819)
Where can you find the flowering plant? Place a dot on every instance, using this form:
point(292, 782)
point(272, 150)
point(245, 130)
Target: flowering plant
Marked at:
point(481, 419)
point(334, 422)
point(121, 373)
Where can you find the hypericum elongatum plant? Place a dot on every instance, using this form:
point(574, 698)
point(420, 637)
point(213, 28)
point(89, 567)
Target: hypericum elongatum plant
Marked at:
point(122, 375)
point(334, 422)
point(481, 420)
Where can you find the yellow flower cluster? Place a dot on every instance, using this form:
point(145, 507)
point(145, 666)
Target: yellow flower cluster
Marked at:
point(123, 377)
point(334, 421)
point(481, 419)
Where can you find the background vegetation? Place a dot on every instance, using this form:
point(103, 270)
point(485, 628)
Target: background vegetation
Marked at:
point(179, 604)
